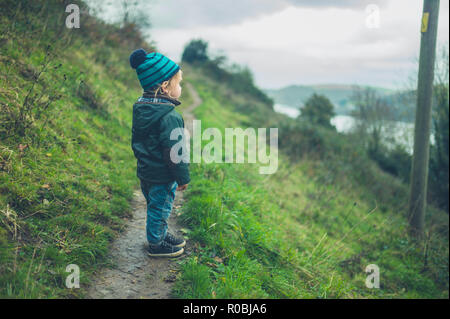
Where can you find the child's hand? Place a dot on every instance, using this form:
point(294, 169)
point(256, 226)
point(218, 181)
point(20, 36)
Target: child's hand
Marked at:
point(182, 187)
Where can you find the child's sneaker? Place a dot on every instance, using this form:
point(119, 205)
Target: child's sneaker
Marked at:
point(174, 241)
point(164, 250)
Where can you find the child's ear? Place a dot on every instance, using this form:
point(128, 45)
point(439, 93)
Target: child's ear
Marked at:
point(164, 85)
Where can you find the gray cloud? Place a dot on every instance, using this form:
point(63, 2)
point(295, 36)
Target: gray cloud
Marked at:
point(198, 13)
point(354, 4)
point(325, 47)
point(166, 14)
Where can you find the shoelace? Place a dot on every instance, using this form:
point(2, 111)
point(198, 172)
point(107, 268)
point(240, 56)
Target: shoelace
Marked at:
point(164, 244)
point(170, 237)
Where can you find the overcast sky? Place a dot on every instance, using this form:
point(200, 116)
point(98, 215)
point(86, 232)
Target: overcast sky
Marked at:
point(288, 42)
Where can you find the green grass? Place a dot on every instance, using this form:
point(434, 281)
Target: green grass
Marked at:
point(294, 235)
point(66, 180)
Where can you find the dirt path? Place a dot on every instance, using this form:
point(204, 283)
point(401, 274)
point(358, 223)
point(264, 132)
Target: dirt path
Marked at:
point(134, 274)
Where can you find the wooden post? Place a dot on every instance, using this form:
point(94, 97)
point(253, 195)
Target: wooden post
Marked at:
point(419, 171)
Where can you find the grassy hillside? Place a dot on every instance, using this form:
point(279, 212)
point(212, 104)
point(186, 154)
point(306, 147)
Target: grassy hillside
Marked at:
point(67, 171)
point(307, 231)
point(67, 174)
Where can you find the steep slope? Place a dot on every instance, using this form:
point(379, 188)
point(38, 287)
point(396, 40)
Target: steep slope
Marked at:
point(67, 172)
point(307, 231)
point(67, 178)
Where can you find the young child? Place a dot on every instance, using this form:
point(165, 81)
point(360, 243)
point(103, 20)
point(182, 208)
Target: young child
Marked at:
point(154, 118)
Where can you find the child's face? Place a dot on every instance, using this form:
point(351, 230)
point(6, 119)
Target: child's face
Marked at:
point(174, 89)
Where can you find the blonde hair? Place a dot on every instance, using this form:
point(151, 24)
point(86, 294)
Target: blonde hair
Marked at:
point(171, 81)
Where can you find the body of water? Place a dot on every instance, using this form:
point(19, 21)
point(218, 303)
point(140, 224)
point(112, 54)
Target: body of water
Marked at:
point(395, 132)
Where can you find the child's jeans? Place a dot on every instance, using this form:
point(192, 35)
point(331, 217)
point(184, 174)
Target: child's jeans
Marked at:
point(160, 199)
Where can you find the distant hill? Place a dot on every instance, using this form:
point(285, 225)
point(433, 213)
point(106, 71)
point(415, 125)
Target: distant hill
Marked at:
point(339, 94)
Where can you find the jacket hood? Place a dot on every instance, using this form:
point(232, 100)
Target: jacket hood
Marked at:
point(151, 94)
point(146, 115)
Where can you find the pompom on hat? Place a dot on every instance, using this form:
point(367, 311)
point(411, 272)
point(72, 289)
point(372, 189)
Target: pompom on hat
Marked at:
point(153, 68)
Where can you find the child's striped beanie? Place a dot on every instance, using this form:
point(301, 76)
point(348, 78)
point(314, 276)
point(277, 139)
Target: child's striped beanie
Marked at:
point(153, 68)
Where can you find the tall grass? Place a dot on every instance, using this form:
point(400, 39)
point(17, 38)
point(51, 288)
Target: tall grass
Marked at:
point(307, 231)
point(67, 172)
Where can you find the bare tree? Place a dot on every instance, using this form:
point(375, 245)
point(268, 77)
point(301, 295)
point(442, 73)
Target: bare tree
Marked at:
point(373, 116)
point(123, 12)
point(134, 12)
